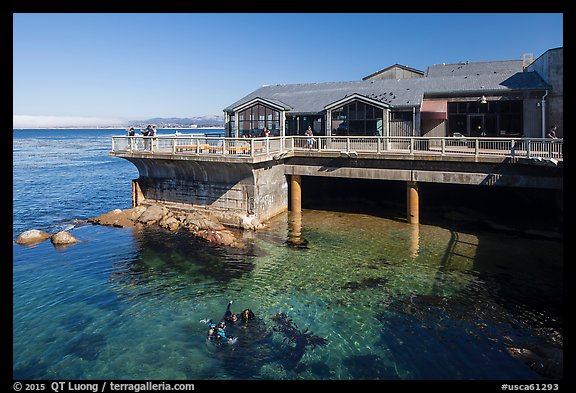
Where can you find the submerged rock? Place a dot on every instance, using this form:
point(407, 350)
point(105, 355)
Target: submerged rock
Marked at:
point(544, 359)
point(32, 236)
point(224, 238)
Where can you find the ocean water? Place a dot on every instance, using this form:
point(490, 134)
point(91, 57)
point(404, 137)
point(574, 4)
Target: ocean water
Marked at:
point(363, 297)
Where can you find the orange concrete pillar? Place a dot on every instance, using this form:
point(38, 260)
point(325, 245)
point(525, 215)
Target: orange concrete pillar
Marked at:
point(413, 213)
point(296, 193)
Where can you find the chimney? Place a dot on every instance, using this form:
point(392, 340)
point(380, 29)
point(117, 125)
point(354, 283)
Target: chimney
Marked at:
point(527, 59)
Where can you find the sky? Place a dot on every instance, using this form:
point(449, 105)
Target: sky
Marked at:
point(105, 68)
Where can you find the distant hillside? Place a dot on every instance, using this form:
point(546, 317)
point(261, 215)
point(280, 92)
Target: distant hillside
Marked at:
point(199, 121)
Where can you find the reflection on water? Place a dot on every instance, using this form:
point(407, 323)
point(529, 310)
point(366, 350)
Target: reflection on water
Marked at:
point(295, 239)
point(414, 240)
point(336, 295)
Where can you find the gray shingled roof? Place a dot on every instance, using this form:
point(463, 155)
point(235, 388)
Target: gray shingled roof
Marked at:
point(476, 68)
point(399, 93)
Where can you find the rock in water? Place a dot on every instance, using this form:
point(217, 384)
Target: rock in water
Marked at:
point(223, 238)
point(62, 238)
point(153, 214)
point(32, 236)
point(116, 218)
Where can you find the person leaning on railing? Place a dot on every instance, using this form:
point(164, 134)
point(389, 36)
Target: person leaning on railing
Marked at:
point(131, 132)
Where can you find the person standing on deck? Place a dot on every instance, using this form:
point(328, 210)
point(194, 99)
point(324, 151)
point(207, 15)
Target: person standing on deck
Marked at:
point(131, 133)
point(552, 132)
point(146, 134)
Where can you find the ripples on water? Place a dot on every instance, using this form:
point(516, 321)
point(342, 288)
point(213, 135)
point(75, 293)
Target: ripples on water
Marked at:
point(393, 301)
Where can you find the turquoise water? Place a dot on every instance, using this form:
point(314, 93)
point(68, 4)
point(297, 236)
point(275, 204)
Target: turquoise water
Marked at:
point(391, 300)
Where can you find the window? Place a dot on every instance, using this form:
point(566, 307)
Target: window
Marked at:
point(252, 121)
point(457, 123)
point(404, 116)
point(357, 118)
point(231, 126)
point(503, 118)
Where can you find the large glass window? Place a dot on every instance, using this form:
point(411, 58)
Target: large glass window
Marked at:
point(473, 118)
point(357, 118)
point(252, 121)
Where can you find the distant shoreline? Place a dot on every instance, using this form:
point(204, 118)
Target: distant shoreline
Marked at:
point(117, 128)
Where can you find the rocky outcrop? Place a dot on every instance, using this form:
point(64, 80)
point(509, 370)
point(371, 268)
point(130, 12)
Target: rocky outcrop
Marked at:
point(198, 223)
point(544, 359)
point(63, 238)
point(32, 236)
point(118, 218)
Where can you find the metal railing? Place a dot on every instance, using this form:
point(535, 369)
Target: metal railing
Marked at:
point(350, 145)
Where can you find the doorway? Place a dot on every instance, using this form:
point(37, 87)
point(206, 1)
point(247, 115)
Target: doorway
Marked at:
point(481, 125)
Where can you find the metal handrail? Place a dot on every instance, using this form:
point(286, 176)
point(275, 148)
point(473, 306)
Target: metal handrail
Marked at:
point(374, 145)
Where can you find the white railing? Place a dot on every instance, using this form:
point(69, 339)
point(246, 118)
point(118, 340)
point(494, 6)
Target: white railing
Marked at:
point(254, 147)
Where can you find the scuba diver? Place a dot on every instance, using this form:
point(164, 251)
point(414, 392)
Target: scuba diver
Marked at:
point(217, 333)
point(231, 317)
point(247, 315)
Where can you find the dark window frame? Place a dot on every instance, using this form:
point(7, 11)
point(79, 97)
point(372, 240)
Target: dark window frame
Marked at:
point(253, 119)
point(343, 116)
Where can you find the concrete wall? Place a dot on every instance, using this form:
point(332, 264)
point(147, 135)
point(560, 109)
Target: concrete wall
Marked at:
point(550, 66)
point(240, 195)
point(433, 127)
point(523, 173)
point(532, 120)
point(271, 191)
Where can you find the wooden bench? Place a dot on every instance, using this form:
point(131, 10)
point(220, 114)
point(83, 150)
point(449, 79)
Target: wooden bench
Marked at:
point(243, 149)
point(182, 148)
point(212, 148)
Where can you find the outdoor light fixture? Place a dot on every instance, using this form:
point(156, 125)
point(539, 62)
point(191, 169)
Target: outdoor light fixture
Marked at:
point(483, 100)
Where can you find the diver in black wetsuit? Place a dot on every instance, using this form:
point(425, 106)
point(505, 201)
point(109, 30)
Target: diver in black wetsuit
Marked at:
point(231, 317)
point(216, 331)
point(246, 315)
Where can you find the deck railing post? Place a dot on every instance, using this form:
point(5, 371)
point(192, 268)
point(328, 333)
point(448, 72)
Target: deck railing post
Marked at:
point(528, 148)
point(251, 147)
point(476, 147)
point(513, 148)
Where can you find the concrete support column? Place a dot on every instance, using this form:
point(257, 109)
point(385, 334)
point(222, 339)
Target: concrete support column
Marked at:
point(412, 203)
point(137, 195)
point(296, 193)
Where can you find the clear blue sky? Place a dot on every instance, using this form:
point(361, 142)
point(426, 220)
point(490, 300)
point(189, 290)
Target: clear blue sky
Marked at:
point(143, 65)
